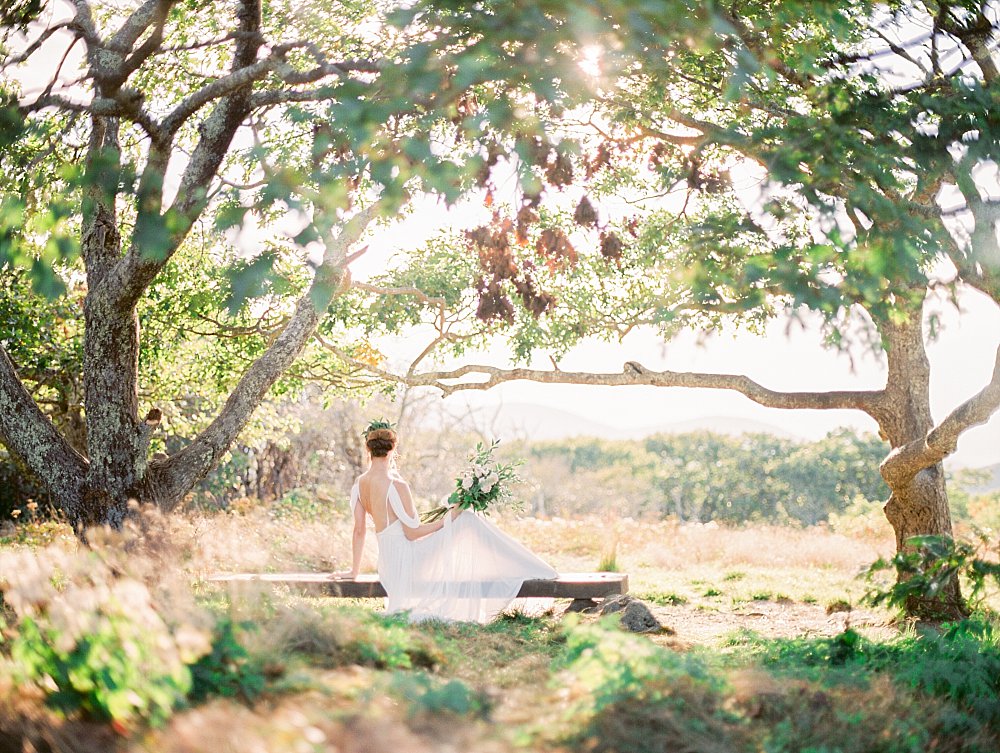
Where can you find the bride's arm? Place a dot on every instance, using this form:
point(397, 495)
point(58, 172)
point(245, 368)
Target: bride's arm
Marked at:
point(358, 539)
point(424, 529)
point(357, 542)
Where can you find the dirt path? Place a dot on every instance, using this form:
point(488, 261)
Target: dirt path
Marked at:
point(768, 619)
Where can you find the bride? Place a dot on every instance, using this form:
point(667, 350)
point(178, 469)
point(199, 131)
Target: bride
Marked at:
point(460, 567)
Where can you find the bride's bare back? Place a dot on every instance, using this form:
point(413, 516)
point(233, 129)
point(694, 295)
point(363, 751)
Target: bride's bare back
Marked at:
point(373, 489)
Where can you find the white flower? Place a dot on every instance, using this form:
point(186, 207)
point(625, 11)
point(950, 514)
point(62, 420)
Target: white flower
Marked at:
point(467, 483)
point(487, 487)
point(493, 478)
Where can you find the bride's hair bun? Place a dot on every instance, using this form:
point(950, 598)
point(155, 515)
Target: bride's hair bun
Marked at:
point(380, 438)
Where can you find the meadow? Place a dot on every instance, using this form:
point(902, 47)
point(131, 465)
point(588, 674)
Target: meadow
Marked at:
point(766, 646)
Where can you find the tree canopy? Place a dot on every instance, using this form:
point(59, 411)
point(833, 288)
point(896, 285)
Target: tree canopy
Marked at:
point(871, 133)
point(127, 181)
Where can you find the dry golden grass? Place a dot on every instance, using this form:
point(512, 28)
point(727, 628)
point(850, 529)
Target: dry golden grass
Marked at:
point(672, 545)
point(710, 567)
point(318, 720)
point(691, 566)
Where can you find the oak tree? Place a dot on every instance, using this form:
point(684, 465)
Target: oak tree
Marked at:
point(167, 133)
point(873, 133)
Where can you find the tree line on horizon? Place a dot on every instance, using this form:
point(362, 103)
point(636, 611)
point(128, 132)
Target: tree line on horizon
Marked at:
point(696, 476)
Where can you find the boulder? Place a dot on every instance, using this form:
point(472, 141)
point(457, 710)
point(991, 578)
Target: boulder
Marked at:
point(636, 617)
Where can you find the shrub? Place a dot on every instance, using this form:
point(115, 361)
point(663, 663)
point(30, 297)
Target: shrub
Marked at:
point(929, 564)
point(431, 695)
point(92, 640)
point(341, 636)
point(301, 505)
point(958, 667)
point(388, 643)
point(227, 670)
point(664, 599)
point(961, 663)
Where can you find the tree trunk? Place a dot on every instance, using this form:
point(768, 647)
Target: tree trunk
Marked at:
point(35, 443)
point(115, 441)
point(918, 503)
point(110, 349)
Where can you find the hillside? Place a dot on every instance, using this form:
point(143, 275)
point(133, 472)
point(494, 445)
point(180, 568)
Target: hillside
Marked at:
point(542, 422)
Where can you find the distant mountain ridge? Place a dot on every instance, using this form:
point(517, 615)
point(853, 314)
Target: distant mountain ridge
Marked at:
point(531, 421)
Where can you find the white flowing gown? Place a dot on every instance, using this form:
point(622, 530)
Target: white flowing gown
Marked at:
point(468, 571)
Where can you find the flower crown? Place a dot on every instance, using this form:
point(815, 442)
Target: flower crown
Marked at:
point(376, 425)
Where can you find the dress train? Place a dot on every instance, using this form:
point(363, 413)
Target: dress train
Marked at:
point(468, 571)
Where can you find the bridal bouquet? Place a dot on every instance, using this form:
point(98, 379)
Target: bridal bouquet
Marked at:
point(483, 486)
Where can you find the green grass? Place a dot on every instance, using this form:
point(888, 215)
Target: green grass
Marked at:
point(805, 585)
point(550, 683)
point(545, 683)
point(663, 599)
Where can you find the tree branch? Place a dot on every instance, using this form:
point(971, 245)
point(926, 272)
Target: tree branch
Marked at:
point(101, 240)
point(415, 292)
point(156, 237)
point(153, 13)
point(976, 34)
point(83, 22)
point(293, 77)
point(32, 48)
point(30, 436)
point(169, 479)
point(150, 12)
point(219, 88)
point(283, 96)
point(907, 461)
point(634, 374)
point(125, 103)
point(984, 247)
point(900, 51)
point(765, 54)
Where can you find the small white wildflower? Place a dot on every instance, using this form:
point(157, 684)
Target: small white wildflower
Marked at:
point(314, 735)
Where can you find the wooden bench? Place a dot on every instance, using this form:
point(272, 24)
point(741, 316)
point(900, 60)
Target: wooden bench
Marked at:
point(582, 588)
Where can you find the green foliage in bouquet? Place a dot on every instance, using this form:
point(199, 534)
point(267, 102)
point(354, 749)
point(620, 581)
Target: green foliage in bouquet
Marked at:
point(483, 486)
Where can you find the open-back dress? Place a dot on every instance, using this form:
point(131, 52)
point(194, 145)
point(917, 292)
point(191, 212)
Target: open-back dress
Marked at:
point(467, 571)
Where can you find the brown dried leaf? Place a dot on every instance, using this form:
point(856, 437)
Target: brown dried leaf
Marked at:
point(611, 247)
point(559, 172)
point(585, 213)
point(526, 217)
point(555, 247)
